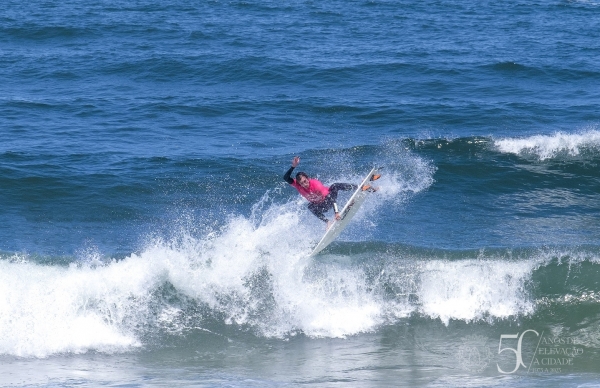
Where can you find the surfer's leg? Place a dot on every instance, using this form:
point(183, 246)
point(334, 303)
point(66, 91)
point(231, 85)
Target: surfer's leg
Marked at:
point(334, 188)
point(318, 209)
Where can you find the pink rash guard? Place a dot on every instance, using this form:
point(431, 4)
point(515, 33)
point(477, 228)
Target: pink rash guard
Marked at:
point(316, 190)
point(321, 198)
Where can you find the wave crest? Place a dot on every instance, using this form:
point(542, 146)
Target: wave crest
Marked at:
point(552, 146)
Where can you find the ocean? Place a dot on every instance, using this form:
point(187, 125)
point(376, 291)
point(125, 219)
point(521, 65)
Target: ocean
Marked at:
point(147, 237)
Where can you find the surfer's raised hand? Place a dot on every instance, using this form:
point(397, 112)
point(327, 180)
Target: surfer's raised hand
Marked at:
point(295, 161)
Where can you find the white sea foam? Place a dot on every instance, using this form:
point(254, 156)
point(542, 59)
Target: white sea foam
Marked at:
point(220, 275)
point(474, 289)
point(550, 146)
point(45, 310)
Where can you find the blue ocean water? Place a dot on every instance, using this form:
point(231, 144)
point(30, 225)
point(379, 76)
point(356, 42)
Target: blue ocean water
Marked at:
point(147, 237)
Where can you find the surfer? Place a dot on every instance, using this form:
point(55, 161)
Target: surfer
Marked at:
point(321, 198)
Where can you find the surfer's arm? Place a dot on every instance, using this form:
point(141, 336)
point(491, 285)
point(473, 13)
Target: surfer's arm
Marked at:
point(288, 176)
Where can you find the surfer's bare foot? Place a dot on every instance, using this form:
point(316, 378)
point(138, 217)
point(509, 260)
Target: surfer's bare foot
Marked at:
point(369, 188)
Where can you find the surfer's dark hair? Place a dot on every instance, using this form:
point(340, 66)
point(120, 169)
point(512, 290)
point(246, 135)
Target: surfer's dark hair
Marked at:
point(301, 173)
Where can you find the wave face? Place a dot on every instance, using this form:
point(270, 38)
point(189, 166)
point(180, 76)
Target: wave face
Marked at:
point(515, 245)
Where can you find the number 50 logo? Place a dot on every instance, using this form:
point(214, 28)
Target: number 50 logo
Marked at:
point(517, 351)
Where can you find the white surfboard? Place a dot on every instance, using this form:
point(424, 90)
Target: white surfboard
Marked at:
point(346, 214)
